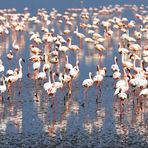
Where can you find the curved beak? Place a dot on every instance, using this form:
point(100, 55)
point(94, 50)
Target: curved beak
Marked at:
point(23, 60)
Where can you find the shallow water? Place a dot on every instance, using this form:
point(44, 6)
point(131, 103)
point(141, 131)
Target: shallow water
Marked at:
point(33, 119)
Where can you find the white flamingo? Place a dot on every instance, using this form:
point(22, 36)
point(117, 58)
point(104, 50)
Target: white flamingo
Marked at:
point(20, 72)
point(68, 66)
point(88, 82)
point(144, 93)
point(42, 74)
point(115, 66)
point(117, 74)
point(56, 83)
point(74, 72)
point(48, 85)
point(98, 78)
point(2, 68)
point(15, 45)
point(3, 86)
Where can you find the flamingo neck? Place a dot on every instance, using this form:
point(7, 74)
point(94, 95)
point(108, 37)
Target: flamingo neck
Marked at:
point(77, 29)
point(67, 59)
point(14, 42)
point(46, 58)
point(124, 72)
point(69, 43)
point(115, 60)
point(53, 77)
point(20, 65)
point(126, 82)
point(141, 65)
point(123, 58)
point(77, 61)
point(90, 76)
point(4, 84)
point(134, 63)
point(49, 79)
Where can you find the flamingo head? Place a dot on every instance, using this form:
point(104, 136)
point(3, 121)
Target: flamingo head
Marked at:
point(128, 78)
point(16, 70)
point(117, 91)
point(68, 39)
point(98, 67)
point(132, 57)
point(11, 52)
point(105, 70)
point(31, 46)
point(57, 74)
point(116, 59)
point(23, 60)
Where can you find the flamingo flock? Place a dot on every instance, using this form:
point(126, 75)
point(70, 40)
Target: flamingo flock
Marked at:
point(54, 38)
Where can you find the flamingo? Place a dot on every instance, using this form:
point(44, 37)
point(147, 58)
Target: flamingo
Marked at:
point(52, 91)
point(79, 35)
point(38, 40)
point(3, 86)
point(124, 81)
point(125, 63)
point(15, 45)
point(2, 68)
point(122, 50)
point(74, 72)
point(33, 35)
point(35, 50)
point(138, 69)
point(65, 78)
point(115, 66)
point(117, 74)
point(123, 97)
point(48, 85)
point(20, 73)
point(56, 83)
point(98, 78)
point(99, 47)
point(46, 66)
point(36, 65)
point(87, 83)
point(134, 47)
point(144, 93)
point(68, 66)
point(9, 72)
point(61, 39)
point(10, 55)
point(72, 47)
point(36, 58)
point(12, 77)
point(63, 48)
point(88, 40)
point(103, 71)
point(42, 75)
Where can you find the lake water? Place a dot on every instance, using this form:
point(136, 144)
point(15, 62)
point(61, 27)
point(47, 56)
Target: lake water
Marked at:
point(33, 119)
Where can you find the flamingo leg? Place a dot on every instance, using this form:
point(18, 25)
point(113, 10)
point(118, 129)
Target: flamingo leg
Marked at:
point(114, 103)
point(50, 130)
point(20, 87)
point(81, 44)
point(100, 58)
point(28, 75)
point(121, 110)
